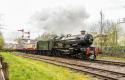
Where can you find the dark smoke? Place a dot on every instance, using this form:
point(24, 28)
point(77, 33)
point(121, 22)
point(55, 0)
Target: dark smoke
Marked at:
point(61, 20)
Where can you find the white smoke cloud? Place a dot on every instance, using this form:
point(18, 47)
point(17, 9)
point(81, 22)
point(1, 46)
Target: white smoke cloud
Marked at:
point(61, 20)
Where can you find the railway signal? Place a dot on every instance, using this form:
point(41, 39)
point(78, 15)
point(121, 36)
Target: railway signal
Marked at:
point(24, 34)
point(25, 37)
point(28, 33)
point(22, 30)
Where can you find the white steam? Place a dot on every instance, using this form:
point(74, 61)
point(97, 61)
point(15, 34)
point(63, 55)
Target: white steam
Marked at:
point(61, 20)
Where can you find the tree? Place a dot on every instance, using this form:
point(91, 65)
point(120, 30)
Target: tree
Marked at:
point(110, 34)
point(18, 40)
point(46, 36)
point(1, 41)
point(1, 36)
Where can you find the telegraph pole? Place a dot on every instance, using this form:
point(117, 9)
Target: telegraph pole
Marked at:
point(101, 27)
point(101, 22)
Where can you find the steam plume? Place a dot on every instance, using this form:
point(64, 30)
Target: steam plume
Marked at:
point(61, 20)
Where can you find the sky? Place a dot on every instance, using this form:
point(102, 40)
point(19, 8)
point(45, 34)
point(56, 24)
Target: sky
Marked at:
point(19, 14)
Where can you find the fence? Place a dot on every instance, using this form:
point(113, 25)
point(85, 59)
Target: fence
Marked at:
point(4, 74)
point(118, 51)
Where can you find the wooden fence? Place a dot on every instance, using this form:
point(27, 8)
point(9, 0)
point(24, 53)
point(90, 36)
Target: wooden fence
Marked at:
point(4, 74)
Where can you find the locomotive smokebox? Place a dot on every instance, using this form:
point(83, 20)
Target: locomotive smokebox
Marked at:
point(87, 40)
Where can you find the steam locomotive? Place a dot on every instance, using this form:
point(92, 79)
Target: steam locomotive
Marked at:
point(71, 46)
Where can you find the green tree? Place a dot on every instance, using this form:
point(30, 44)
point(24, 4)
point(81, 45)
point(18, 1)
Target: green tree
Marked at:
point(109, 37)
point(113, 35)
point(18, 40)
point(1, 41)
point(46, 36)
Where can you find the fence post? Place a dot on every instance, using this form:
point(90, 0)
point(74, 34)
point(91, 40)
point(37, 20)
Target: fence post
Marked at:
point(5, 70)
point(1, 59)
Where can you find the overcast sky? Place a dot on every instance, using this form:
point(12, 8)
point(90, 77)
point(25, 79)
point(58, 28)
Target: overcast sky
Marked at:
point(17, 14)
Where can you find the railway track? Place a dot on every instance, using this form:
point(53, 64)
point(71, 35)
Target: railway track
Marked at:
point(116, 63)
point(105, 74)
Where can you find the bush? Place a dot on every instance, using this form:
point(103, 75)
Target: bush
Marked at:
point(1, 41)
point(118, 51)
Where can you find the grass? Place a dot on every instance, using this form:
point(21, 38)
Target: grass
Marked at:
point(27, 69)
point(104, 57)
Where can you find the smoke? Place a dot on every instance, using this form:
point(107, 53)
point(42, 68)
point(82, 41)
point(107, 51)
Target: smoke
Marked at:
point(61, 20)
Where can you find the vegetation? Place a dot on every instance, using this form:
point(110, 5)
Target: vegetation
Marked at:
point(18, 40)
point(109, 37)
point(1, 41)
point(111, 40)
point(106, 57)
point(46, 36)
point(27, 69)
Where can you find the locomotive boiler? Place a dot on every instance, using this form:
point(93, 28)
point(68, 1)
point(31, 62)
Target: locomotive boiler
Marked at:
point(76, 40)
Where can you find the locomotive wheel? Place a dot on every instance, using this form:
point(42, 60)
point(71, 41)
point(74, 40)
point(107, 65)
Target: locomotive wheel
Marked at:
point(83, 56)
point(52, 53)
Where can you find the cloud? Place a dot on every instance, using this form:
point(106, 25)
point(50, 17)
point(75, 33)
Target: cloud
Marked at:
point(12, 35)
point(61, 20)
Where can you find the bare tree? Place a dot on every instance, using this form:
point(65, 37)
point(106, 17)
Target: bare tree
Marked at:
point(46, 36)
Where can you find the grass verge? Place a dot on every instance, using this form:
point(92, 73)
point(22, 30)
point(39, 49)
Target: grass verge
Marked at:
point(115, 58)
point(27, 69)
